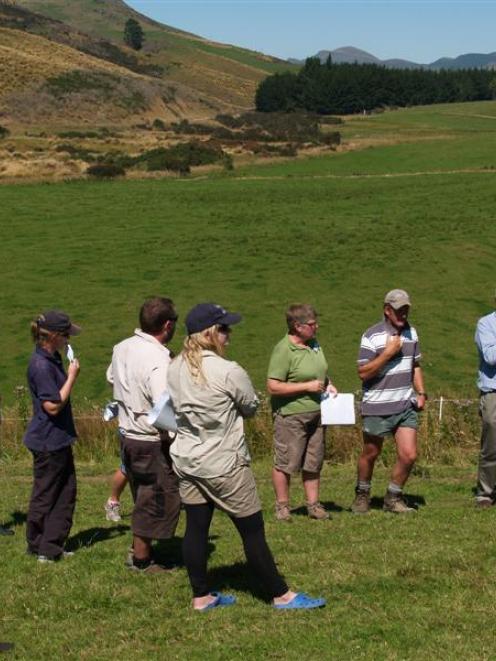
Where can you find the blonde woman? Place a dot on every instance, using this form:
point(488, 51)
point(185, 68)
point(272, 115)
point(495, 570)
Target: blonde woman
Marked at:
point(211, 396)
point(50, 436)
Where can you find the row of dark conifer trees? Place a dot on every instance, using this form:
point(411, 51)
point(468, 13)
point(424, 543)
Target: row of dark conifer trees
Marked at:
point(328, 88)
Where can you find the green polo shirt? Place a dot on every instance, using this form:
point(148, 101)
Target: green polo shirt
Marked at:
point(296, 363)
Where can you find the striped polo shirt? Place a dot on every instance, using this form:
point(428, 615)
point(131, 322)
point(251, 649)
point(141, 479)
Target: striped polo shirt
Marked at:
point(390, 391)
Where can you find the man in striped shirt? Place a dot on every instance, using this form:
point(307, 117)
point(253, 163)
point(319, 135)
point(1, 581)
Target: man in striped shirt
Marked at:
point(388, 365)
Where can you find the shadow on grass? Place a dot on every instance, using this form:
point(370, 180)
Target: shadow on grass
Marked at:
point(93, 536)
point(17, 518)
point(329, 505)
point(237, 577)
point(412, 500)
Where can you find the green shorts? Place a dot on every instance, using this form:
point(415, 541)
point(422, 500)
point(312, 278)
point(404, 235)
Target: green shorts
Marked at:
point(384, 425)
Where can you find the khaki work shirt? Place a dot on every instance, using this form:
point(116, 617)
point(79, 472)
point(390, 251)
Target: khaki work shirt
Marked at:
point(138, 373)
point(210, 439)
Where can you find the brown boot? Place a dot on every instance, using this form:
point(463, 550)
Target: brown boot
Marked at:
point(395, 504)
point(317, 511)
point(361, 504)
point(283, 512)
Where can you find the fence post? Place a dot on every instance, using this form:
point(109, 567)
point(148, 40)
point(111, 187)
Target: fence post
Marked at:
point(441, 408)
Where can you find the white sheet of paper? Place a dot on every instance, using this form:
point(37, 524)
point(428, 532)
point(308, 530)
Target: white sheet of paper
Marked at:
point(162, 415)
point(338, 410)
point(70, 353)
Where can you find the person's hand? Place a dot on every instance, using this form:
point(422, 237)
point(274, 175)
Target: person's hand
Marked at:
point(315, 386)
point(73, 369)
point(421, 400)
point(393, 345)
point(331, 390)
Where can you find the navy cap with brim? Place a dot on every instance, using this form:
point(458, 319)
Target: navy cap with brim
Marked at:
point(205, 315)
point(57, 322)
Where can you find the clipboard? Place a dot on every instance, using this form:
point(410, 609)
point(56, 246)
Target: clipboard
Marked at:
point(338, 410)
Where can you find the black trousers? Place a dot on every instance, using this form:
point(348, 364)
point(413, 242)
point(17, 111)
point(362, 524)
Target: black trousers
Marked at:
point(257, 552)
point(52, 503)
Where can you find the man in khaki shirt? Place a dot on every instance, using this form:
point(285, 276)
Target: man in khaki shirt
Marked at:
point(138, 373)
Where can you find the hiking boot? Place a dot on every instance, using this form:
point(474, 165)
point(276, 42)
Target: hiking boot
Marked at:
point(317, 511)
point(361, 504)
point(283, 513)
point(112, 511)
point(395, 504)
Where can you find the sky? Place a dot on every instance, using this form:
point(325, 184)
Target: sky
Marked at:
point(417, 30)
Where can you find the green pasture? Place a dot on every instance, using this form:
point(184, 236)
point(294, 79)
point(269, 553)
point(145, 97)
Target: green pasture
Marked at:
point(338, 231)
point(413, 588)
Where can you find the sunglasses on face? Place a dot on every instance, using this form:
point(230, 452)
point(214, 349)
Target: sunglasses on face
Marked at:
point(224, 329)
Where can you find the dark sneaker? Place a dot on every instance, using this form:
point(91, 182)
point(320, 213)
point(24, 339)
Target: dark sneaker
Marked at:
point(395, 504)
point(283, 512)
point(484, 503)
point(317, 511)
point(47, 559)
point(152, 568)
point(361, 504)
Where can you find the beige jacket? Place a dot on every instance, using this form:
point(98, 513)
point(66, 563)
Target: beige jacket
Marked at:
point(210, 439)
point(138, 373)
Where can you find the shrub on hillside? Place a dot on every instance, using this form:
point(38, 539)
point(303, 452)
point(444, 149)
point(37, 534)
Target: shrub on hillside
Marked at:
point(333, 139)
point(186, 128)
point(4, 132)
point(76, 152)
point(105, 171)
point(158, 125)
point(272, 127)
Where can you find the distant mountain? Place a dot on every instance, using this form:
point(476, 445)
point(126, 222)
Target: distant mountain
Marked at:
point(350, 54)
point(467, 61)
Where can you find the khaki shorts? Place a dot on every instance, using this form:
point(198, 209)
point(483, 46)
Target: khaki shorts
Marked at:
point(235, 494)
point(299, 442)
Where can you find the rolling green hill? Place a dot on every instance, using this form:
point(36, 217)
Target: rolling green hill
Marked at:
point(338, 231)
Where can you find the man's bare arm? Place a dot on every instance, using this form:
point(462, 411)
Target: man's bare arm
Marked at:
point(373, 367)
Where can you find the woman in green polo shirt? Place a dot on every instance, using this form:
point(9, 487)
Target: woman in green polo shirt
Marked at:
point(296, 378)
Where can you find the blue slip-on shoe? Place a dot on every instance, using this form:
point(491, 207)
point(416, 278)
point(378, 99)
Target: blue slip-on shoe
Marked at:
point(302, 601)
point(220, 600)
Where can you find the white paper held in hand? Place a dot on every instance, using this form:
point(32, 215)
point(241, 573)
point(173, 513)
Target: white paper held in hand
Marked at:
point(162, 415)
point(70, 353)
point(338, 410)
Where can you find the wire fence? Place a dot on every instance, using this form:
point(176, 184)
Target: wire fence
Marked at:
point(449, 431)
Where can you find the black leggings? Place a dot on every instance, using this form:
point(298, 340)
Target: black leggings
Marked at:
point(251, 530)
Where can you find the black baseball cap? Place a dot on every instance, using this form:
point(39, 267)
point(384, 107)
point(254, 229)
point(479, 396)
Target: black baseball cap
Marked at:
point(205, 315)
point(57, 322)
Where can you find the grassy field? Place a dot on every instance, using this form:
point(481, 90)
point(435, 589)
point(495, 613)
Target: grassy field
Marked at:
point(415, 210)
point(338, 231)
point(419, 587)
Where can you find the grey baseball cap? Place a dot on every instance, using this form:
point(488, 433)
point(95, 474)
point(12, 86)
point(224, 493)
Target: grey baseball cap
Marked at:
point(397, 298)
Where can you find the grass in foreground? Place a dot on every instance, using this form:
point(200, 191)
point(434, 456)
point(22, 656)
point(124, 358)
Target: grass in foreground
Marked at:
point(418, 587)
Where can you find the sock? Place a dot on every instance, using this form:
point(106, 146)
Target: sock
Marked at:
point(363, 485)
point(395, 489)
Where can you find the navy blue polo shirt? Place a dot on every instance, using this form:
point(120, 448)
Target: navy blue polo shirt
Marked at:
point(46, 376)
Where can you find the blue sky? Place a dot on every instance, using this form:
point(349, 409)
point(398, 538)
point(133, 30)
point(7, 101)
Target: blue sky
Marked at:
point(418, 30)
